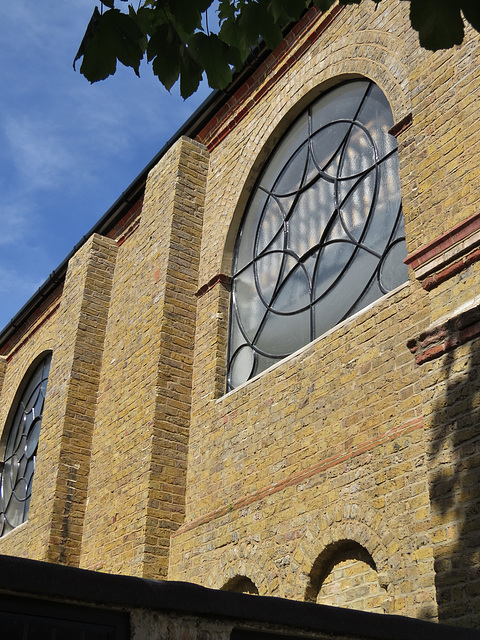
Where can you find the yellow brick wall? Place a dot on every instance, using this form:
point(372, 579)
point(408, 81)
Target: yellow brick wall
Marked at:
point(348, 472)
point(328, 445)
point(451, 394)
point(349, 579)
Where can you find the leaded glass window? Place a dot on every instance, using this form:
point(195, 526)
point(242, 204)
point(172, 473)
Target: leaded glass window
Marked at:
point(323, 233)
point(21, 448)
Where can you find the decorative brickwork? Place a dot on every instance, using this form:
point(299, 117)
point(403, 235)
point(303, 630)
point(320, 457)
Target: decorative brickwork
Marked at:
point(438, 340)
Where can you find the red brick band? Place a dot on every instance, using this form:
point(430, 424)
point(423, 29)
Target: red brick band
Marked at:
point(440, 244)
point(255, 89)
point(305, 474)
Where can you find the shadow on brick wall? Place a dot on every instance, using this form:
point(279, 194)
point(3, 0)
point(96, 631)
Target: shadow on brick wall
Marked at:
point(454, 482)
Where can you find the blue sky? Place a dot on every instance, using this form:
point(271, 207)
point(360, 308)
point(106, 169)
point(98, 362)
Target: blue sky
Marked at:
point(67, 148)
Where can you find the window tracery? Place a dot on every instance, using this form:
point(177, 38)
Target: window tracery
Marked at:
point(323, 234)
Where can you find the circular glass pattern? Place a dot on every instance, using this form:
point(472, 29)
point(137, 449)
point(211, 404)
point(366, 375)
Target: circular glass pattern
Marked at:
point(323, 234)
point(20, 451)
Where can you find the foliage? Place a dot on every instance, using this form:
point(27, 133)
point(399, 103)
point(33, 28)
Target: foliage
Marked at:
point(175, 36)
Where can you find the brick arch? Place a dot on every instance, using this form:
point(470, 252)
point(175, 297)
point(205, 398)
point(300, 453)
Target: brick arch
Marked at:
point(373, 55)
point(345, 574)
point(246, 561)
point(240, 584)
point(24, 374)
point(348, 522)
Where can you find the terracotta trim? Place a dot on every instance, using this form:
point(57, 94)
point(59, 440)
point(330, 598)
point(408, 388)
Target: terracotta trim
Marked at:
point(401, 125)
point(447, 336)
point(439, 245)
point(304, 475)
point(257, 86)
point(32, 332)
point(453, 269)
point(220, 277)
point(131, 229)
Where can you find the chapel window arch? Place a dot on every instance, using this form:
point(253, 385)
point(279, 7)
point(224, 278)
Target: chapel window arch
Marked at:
point(19, 445)
point(322, 236)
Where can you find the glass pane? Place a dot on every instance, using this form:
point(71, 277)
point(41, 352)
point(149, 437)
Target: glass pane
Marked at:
point(294, 329)
point(323, 234)
point(241, 365)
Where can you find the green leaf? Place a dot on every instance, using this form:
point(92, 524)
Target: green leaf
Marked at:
point(254, 22)
point(186, 14)
point(126, 37)
point(237, 48)
point(190, 73)
point(88, 36)
point(110, 37)
point(226, 10)
point(164, 49)
point(438, 22)
point(324, 5)
point(212, 55)
point(108, 3)
point(285, 11)
point(471, 11)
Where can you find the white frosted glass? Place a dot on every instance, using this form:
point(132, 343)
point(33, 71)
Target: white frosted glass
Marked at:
point(294, 293)
point(341, 103)
point(331, 261)
point(393, 270)
point(241, 366)
point(326, 146)
point(248, 230)
point(286, 148)
point(292, 177)
point(270, 229)
point(294, 329)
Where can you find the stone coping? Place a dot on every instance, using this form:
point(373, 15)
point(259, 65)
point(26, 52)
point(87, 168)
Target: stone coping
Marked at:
point(45, 581)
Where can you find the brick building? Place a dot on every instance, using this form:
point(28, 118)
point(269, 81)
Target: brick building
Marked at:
point(223, 405)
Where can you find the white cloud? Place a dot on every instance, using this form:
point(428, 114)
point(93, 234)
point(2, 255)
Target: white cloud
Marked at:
point(39, 153)
point(15, 221)
point(12, 282)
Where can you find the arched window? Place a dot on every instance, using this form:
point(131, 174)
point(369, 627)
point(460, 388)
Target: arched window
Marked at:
point(323, 233)
point(20, 450)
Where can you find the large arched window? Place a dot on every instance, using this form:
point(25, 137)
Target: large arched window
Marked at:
point(323, 233)
point(21, 448)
